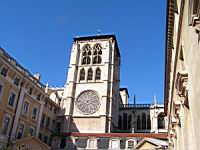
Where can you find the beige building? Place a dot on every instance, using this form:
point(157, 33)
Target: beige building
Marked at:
point(24, 100)
point(182, 73)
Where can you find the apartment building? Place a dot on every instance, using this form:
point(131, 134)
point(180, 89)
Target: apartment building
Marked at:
point(24, 102)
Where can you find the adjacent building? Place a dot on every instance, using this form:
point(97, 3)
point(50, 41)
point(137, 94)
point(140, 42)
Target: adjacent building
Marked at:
point(182, 73)
point(24, 103)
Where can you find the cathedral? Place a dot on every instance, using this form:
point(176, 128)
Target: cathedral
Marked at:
point(91, 111)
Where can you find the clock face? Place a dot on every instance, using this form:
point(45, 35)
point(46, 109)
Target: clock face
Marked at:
point(88, 102)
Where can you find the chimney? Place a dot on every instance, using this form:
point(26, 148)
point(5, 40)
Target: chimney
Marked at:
point(37, 76)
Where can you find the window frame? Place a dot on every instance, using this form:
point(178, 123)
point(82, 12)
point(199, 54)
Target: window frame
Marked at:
point(25, 110)
point(18, 80)
point(7, 126)
point(90, 74)
point(6, 71)
point(36, 116)
point(8, 103)
point(18, 129)
point(33, 129)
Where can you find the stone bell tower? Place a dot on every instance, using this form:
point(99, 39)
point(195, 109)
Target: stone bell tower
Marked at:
point(91, 97)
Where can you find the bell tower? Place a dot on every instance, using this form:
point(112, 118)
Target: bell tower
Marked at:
point(91, 97)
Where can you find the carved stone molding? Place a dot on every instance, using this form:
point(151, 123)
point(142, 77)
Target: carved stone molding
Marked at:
point(181, 83)
point(196, 17)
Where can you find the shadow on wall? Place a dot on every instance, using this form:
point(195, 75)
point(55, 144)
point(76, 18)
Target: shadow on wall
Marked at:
point(64, 123)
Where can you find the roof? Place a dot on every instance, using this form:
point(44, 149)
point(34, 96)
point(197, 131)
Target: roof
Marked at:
point(168, 47)
point(125, 135)
point(29, 140)
point(156, 142)
point(102, 36)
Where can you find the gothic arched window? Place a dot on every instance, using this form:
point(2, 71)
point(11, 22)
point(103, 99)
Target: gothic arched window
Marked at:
point(125, 121)
point(129, 122)
point(97, 54)
point(82, 74)
point(161, 121)
point(86, 54)
point(143, 121)
point(138, 122)
point(148, 122)
point(90, 74)
point(120, 122)
point(98, 74)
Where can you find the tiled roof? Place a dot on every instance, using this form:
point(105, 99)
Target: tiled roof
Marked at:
point(149, 135)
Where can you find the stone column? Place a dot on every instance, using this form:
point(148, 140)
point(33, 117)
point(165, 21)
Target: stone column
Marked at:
point(17, 115)
point(39, 119)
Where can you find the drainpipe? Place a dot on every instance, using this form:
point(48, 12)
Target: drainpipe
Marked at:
point(21, 85)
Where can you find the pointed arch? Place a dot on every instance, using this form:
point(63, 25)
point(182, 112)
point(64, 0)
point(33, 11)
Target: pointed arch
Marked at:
point(144, 121)
point(82, 74)
point(97, 52)
point(138, 122)
point(98, 74)
point(125, 121)
point(120, 122)
point(90, 74)
point(148, 122)
point(129, 122)
point(161, 121)
point(86, 54)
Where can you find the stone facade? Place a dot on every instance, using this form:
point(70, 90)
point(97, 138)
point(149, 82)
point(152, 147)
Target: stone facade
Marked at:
point(90, 112)
point(103, 110)
point(182, 84)
point(23, 100)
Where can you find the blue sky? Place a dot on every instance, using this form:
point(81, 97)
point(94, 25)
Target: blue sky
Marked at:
point(39, 34)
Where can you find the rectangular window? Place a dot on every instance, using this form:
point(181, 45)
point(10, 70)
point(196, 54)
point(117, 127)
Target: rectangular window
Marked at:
point(38, 96)
point(20, 131)
point(69, 143)
point(30, 90)
point(114, 144)
point(5, 125)
point(34, 113)
point(55, 110)
point(31, 131)
point(47, 122)
point(11, 101)
point(131, 144)
point(43, 119)
point(45, 139)
point(25, 108)
point(58, 127)
point(4, 71)
point(40, 136)
point(91, 144)
point(16, 81)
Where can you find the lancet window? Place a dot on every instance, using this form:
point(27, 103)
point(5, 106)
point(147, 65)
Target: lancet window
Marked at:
point(86, 54)
point(97, 53)
point(98, 74)
point(90, 74)
point(82, 74)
